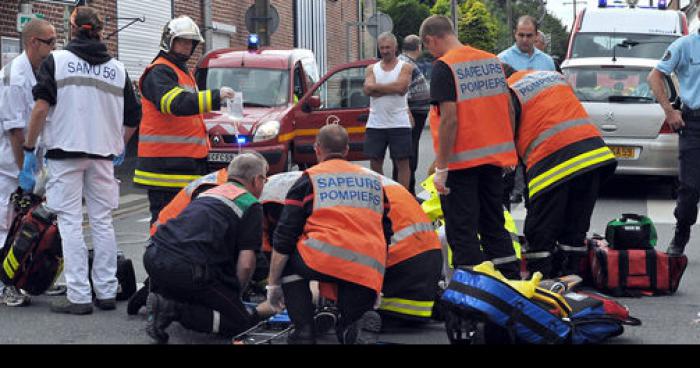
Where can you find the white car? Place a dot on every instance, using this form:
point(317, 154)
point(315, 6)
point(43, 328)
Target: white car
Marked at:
point(620, 102)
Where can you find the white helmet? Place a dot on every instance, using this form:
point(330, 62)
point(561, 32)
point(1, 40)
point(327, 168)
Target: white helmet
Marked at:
point(180, 27)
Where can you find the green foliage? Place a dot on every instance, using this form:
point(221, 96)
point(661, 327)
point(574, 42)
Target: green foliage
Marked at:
point(476, 27)
point(442, 7)
point(407, 15)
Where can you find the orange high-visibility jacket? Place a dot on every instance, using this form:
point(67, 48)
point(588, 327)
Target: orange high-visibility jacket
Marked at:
point(484, 132)
point(163, 135)
point(413, 231)
point(184, 197)
point(343, 237)
point(555, 137)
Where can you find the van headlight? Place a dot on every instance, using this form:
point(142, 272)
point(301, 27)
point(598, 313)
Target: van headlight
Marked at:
point(266, 131)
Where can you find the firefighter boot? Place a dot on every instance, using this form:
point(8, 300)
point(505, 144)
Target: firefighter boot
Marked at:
point(161, 313)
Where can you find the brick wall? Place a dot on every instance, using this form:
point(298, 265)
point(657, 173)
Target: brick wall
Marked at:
point(337, 14)
point(284, 36)
point(55, 14)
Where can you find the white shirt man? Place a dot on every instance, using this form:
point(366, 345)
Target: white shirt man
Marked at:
point(16, 82)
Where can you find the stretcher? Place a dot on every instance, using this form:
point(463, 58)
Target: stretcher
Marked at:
point(266, 331)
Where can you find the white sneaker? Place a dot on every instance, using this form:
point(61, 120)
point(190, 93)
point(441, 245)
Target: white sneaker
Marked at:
point(14, 298)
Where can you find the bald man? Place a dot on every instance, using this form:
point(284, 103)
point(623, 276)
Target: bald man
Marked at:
point(523, 55)
point(16, 82)
point(334, 228)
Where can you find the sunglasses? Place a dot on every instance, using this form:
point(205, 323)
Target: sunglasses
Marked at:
point(50, 41)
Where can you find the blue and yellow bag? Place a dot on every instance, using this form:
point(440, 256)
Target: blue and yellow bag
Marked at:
point(527, 313)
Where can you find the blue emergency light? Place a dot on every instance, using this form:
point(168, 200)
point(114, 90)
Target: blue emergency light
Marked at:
point(253, 42)
point(241, 140)
point(602, 3)
point(662, 4)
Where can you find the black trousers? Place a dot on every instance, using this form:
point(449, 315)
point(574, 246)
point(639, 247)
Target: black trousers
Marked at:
point(157, 199)
point(419, 121)
point(198, 291)
point(561, 216)
point(474, 218)
point(686, 211)
point(353, 299)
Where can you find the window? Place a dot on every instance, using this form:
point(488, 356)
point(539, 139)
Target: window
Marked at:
point(344, 90)
point(261, 87)
point(9, 48)
point(626, 45)
point(600, 84)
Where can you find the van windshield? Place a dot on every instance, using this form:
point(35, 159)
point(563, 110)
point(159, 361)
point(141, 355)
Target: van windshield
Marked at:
point(261, 87)
point(600, 84)
point(649, 46)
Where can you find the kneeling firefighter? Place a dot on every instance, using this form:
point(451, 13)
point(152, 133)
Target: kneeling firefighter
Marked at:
point(181, 200)
point(566, 160)
point(414, 259)
point(200, 261)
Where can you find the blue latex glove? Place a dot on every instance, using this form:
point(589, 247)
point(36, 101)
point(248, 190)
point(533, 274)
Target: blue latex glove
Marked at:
point(119, 159)
point(26, 176)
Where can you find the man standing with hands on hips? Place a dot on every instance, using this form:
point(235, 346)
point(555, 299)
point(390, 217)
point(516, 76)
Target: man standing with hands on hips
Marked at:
point(471, 123)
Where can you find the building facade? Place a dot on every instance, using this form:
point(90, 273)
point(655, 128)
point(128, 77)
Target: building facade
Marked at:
point(133, 28)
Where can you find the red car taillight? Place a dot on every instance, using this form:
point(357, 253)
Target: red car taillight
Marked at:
point(665, 128)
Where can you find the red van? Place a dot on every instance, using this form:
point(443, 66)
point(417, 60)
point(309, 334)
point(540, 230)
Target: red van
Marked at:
point(284, 104)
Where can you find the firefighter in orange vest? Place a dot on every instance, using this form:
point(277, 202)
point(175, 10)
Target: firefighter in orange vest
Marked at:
point(200, 261)
point(173, 143)
point(334, 228)
point(473, 139)
point(414, 261)
point(566, 160)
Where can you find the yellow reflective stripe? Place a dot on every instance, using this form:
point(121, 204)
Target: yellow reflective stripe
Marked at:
point(13, 260)
point(157, 183)
point(208, 100)
point(286, 137)
point(166, 176)
point(568, 167)
point(202, 104)
point(8, 270)
point(167, 99)
point(171, 98)
point(408, 307)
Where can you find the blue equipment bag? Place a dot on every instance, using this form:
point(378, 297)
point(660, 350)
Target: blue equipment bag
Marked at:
point(487, 297)
point(473, 298)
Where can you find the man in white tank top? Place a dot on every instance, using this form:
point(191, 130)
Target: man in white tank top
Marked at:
point(389, 123)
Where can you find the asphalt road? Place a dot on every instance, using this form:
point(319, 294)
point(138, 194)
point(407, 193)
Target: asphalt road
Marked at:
point(666, 319)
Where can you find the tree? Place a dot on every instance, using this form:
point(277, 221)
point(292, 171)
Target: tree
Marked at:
point(477, 27)
point(407, 16)
point(442, 7)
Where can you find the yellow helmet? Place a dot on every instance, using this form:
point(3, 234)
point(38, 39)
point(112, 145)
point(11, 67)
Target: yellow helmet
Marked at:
point(180, 27)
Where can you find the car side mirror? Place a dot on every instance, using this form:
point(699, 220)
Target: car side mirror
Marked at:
point(314, 102)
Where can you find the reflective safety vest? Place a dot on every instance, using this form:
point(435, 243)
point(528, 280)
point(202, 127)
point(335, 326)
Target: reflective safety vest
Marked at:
point(484, 133)
point(275, 192)
point(555, 139)
point(409, 287)
point(184, 197)
point(227, 194)
point(343, 237)
point(163, 135)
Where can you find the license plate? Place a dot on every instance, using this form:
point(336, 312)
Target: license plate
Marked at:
point(221, 156)
point(625, 153)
